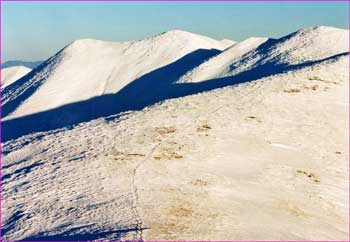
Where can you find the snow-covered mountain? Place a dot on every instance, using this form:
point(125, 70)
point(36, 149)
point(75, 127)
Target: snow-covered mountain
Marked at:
point(90, 79)
point(88, 68)
point(220, 63)
point(250, 142)
point(12, 74)
point(252, 59)
point(28, 64)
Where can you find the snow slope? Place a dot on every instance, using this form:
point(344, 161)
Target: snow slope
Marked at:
point(11, 74)
point(217, 64)
point(302, 47)
point(263, 160)
point(274, 56)
point(89, 68)
point(258, 152)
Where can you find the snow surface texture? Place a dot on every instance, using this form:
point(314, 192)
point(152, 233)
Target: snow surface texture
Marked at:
point(265, 159)
point(12, 74)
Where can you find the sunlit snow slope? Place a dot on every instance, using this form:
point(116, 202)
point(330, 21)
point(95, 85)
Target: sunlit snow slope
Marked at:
point(11, 74)
point(88, 68)
point(253, 147)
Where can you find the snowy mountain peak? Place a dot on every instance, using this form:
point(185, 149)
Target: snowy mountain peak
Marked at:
point(11, 74)
point(80, 42)
point(192, 38)
point(321, 29)
point(176, 32)
point(249, 42)
point(310, 44)
point(318, 33)
point(88, 68)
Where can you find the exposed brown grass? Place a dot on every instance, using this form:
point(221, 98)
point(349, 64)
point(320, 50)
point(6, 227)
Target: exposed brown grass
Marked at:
point(126, 156)
point(292, 90)
point(300, 89)
point(310, 175)
point(167, 155)
point(316, 78)
point(199, 182)
point(165, 130)
point(204, 127)
point(181, 212)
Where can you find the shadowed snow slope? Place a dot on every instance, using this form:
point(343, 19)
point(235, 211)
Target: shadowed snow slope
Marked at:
point(11, 74)
point(273, 56)
point(90, 79)
point(89, 68)
point(297, 49)
point(263, 160)
point(218, 64)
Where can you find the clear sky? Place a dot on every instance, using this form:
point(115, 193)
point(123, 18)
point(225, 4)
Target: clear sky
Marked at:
point(35, 31)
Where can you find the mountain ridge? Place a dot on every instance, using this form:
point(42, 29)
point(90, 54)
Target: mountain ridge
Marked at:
point(107, 77)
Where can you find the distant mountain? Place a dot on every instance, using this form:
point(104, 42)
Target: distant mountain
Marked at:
point(11, 74)
point(29, 64)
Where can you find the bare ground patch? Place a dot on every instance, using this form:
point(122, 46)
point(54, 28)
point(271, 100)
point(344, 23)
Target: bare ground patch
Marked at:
point(302, 88)
point(165, 130)
point(316, 78)
point(171, 150)
point(310, 175)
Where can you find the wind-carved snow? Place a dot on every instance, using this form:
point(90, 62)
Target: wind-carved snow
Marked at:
point(266, 159)
point(11, 74)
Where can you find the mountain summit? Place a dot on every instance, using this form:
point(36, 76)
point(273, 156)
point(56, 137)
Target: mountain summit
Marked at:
point(88, 68)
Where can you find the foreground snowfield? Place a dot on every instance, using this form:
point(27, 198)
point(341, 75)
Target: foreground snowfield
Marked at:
point(266, 159)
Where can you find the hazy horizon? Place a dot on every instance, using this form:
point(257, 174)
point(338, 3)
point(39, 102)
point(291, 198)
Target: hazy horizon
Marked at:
point(58, 24)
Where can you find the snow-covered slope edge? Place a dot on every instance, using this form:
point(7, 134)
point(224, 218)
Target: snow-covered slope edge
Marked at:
point(11, 74)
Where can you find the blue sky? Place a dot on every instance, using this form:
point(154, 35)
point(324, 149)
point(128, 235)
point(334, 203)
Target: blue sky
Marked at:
point(35, 31)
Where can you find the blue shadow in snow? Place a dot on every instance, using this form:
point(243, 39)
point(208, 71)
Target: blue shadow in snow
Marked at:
point(149, 89)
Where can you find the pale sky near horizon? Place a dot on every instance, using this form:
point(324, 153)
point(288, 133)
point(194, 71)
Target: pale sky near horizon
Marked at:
point(36, 30)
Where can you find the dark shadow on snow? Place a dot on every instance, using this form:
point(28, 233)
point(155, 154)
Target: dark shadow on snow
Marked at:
point(78, 233)
point(83, 234)
point(27, 91)
point(156, 86)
